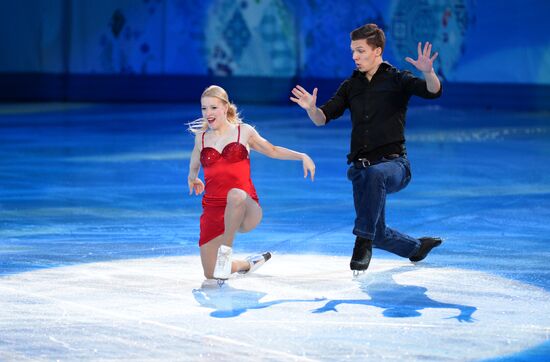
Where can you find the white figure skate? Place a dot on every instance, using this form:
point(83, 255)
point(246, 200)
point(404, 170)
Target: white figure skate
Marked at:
point(222, 271)
point(256, 261)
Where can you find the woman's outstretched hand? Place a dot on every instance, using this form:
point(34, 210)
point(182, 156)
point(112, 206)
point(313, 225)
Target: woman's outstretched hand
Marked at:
point(309, 166)
point(195, 185)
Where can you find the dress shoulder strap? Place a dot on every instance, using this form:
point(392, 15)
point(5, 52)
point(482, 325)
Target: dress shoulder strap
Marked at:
point(239, 133)
point(203, 139)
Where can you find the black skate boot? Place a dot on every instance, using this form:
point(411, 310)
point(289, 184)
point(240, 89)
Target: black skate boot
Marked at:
point(427, 244)
point(362, 253)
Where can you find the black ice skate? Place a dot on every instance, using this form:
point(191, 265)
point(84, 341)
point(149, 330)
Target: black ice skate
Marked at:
point(427, 244)
point(362, 253)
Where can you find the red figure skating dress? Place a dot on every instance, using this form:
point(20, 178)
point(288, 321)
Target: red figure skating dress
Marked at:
point(222, 172)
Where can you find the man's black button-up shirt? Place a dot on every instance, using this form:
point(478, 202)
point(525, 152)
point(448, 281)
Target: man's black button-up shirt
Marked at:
point(378, 108)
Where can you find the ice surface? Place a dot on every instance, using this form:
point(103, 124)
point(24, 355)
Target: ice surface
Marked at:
point(296, 307)
point(99, 257)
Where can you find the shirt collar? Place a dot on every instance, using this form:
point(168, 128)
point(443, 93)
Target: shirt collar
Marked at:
point(381, 68)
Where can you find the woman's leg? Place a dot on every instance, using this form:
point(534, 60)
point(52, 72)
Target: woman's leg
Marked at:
point(242, 214)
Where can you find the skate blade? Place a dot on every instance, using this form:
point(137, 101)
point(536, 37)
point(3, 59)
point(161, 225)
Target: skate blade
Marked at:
point(357, 273)
point(221, 282)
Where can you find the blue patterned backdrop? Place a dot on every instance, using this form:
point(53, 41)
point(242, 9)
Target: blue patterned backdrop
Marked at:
point(478, 41)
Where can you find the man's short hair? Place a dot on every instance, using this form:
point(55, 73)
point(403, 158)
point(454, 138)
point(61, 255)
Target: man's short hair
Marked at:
point(374, 36)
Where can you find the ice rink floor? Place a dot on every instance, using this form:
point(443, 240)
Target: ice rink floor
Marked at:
point(99, 256)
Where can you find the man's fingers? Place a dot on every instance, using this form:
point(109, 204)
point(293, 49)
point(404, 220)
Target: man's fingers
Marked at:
point(434, 56)
point(410, 60)
point(301, 89)
point(296, 92)
point(419, 48)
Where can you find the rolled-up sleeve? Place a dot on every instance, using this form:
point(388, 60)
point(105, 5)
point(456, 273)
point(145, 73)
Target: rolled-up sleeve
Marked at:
point(417, 86)
point(337, 104)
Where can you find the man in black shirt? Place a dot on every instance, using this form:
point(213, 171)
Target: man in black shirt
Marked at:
point(377, 95)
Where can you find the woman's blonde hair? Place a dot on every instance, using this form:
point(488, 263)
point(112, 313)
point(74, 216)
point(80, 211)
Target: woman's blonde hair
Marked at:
point(233, 116)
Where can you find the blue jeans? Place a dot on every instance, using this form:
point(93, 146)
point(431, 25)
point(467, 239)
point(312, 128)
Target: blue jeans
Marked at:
point(371, 184)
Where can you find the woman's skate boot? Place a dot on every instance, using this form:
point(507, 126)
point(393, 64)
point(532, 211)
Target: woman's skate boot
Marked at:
point(256, 261)
point(222, 271)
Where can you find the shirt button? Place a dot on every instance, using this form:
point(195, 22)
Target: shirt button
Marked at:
point(366, 117)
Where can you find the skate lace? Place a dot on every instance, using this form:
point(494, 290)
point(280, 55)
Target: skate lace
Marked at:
point(223, 258)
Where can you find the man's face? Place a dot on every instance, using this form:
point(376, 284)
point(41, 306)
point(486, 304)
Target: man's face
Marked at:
point(365, 58)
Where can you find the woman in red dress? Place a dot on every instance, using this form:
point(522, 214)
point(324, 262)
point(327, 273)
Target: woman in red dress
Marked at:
point(230, 203)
